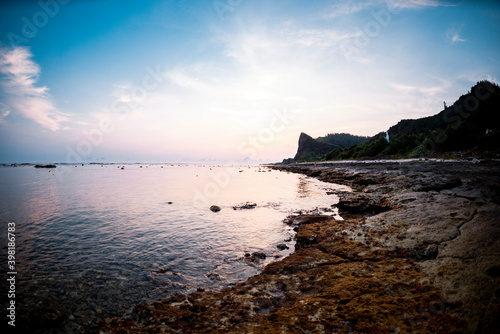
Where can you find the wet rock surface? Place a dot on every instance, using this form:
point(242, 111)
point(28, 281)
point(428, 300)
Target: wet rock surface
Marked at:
point(215, 208)
point(245, 206)
point(417, 253)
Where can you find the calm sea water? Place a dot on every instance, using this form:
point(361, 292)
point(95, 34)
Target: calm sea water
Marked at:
point(95, 240)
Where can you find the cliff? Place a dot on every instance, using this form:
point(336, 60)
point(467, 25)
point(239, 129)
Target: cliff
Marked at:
point(310, 148)
point(471, 125)
point(478, 108)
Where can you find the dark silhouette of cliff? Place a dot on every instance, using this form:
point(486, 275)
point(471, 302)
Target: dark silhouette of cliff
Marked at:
point(311, 149)
point(343, 140)
point(479, 107)
point(473, 121)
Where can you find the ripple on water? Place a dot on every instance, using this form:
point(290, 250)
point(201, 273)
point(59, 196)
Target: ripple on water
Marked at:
point(101, 240)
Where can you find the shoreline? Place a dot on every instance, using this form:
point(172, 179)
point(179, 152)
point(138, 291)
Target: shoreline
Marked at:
point(417, 251)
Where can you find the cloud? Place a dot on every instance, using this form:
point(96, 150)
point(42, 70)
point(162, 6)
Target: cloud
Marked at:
point(4, 112)
point(453, 35)
point(19, 75)
point(414, 3)
point(320, 38)
point(424, 90)
point(349, 7)
point(456, 38)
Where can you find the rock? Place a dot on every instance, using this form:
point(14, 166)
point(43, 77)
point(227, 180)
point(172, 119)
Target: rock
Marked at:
point(258, 256)
point(215, 208)
point(360, 275)
point(493, 271)
point(215, 277)
point(45, 166)
point(426, 252)
point(116, 325)
point(363, 204)
point(435, 183)
point(247, 205)
point(282, 246)
point(311, 148)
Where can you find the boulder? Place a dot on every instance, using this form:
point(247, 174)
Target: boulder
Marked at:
point(215, 208)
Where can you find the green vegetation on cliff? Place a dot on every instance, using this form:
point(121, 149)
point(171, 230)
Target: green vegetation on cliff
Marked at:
point(342, 140)
point(472, 122)
point(315, 149)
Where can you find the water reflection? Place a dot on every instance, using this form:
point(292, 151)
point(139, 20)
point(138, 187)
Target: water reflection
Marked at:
point(303, 187)
point(106, 239)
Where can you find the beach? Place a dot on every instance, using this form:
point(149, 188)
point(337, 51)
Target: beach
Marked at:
point(417, 251)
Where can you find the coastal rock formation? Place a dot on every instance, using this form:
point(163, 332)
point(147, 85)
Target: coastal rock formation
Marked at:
point(443, 215)
point(330, 284)
point(310, 148)
point(245, 206)
point(471, 126)
point(428, 262)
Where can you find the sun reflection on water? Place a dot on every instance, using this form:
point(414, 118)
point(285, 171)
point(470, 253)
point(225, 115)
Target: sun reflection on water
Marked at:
point(109, 238)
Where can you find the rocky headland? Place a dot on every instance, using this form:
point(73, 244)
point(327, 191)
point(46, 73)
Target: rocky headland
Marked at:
point(418, 251)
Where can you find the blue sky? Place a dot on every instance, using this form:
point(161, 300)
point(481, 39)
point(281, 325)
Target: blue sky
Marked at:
point(186, 80)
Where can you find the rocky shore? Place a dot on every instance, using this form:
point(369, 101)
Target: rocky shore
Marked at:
point(418, 251)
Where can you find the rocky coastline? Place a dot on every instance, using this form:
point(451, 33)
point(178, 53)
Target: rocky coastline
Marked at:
point(418, 251)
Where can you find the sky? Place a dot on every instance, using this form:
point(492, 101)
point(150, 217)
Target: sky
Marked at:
point(227, 80)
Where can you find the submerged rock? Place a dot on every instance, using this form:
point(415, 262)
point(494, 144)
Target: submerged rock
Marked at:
point(420, 257)
point(282, 246)
point(336, 286)
point(258, 256)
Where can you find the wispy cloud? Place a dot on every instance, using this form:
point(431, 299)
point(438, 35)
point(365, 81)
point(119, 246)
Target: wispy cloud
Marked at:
point(453, 36)
point(456, 38)
point(321, 38)
point(19, 76)
point(422, 90)
point(415, 3)
point(4, 112)
point(349, 7)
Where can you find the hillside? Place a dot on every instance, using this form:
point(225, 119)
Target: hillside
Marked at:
point(472, 122)
point(342, 140)
point(313, 149)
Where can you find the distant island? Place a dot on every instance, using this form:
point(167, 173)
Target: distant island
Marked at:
point(471, 124)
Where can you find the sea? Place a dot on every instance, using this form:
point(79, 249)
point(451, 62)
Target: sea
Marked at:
point(94, 240)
